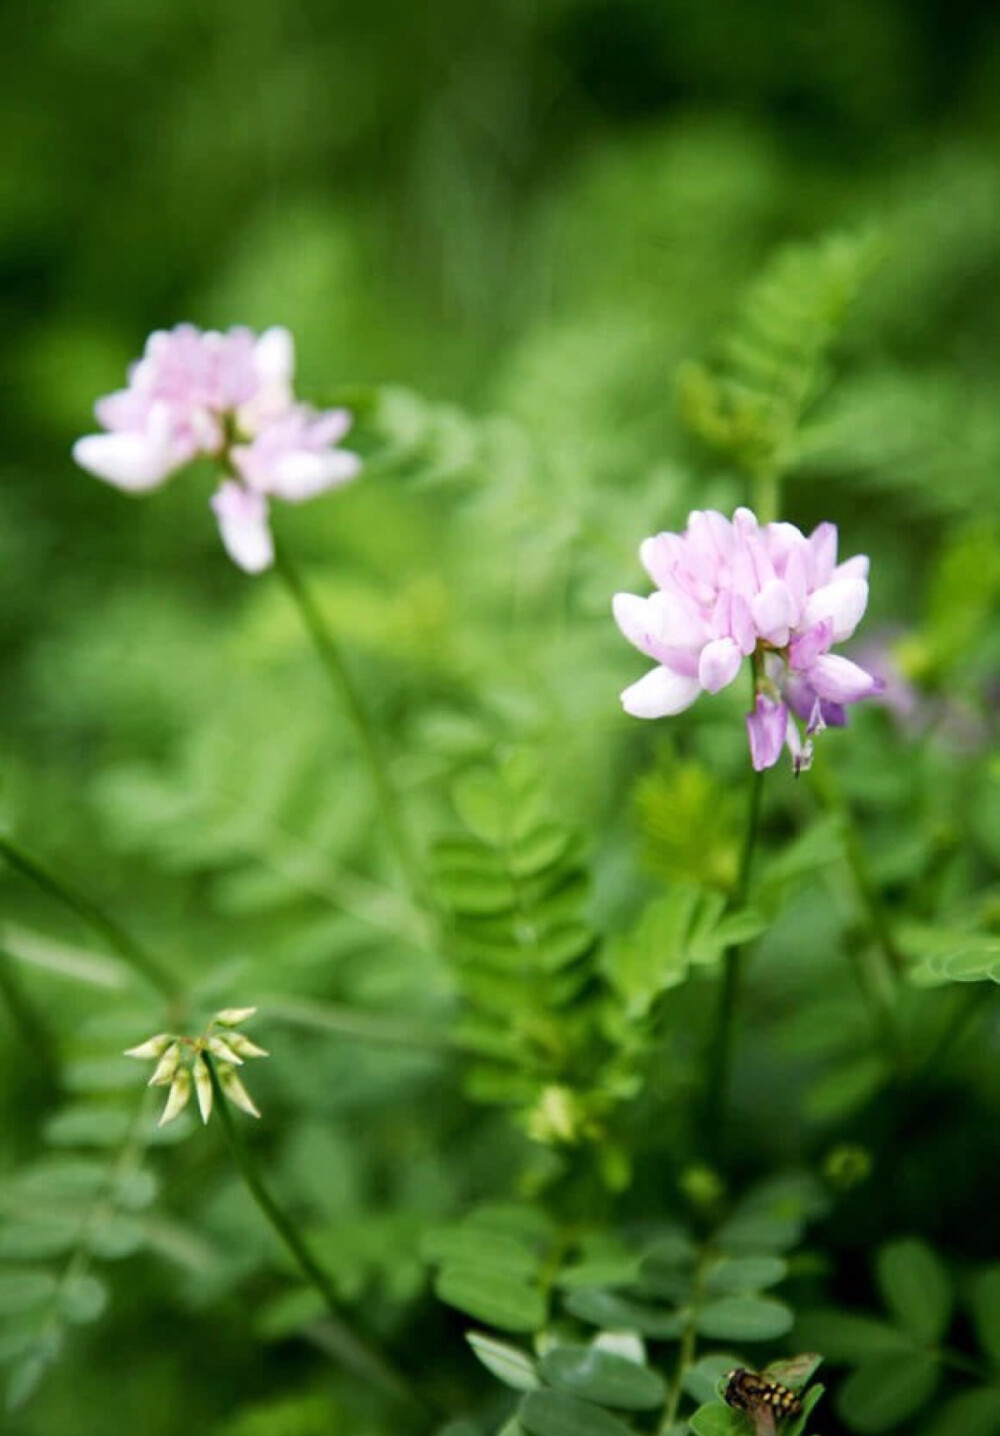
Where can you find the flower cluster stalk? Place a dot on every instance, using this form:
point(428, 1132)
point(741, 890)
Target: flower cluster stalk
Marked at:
point(124, 944)
point(721, 1044)
point(353, 1350)
point(339, 677)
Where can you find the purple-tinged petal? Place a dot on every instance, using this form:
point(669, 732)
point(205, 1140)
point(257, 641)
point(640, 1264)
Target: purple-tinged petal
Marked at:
point(660, 694)
point(244, 527)
point(842, 602)
point(660, 555)
point(766, 731)
point(834, 714)
point(773, 612)
point(719, 664)
point(800, 749)
point(806, 647)
point(637, 620)
point(839, 680)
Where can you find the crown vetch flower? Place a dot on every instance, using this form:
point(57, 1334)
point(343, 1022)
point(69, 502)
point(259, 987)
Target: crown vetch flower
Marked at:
point(727, 590)
point(230, 397)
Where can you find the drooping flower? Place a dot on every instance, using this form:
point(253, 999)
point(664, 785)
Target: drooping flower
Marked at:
point(728, 590)
point(182, 1064)
point(229, 397)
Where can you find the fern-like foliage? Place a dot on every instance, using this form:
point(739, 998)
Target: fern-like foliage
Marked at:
point(774, 362)
point(80, 1204)
point(525, 956)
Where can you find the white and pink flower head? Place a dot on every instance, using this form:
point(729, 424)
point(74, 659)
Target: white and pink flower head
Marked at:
point(229, 397)
point(732, 589)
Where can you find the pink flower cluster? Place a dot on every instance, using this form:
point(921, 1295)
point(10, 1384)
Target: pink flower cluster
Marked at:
point(727, 590)
point(228, 396)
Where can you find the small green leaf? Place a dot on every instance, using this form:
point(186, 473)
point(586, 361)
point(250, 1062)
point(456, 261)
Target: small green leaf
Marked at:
point(715, 1419)
point(38, 1238)
point(553, 1413)
point(885, 1391)
point(465, 1245)
point(82, 1298)
point(745, 1318)
point(985, 1301)
point(849, 1337)
point(750, 1233)
point(22, 1288)
point(620, 1313)
point(971, 1413)
point(702, 1380)
point(916, 1287)
point(797, 1426)
point(744, 1274)
point(501, 1300)
point(509, 1364)
point(116, 1237)
point(603, 1377)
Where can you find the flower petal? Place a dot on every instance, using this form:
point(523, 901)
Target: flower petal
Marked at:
point(243, 525)
point(719, 664)
point(773, 612)
point(302, 475)
point(838, 680)
point(134, 460)
point(767, 727)
point(660, 694)
point(843, 602)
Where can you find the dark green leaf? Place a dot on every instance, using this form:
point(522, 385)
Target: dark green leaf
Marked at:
point(985, 1300)
point(886, 1390)
point(552, 1413)
point(744, 1274)
point(916, 1287)
point(21, 1289)
point(509, 1364)
point(714, 1419)
point(846, 1336)
point(603, 1377)
point(744, 1318)
point(971, 1413)
point(620, 1313)
point(501, 1300)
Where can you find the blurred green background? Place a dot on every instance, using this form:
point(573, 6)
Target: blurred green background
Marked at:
point(528, 213)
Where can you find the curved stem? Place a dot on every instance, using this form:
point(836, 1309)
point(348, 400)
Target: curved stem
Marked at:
point(340, 679)
point(124, 944)
point(720, 1047)
point(350, 1348)
point(686, 1354)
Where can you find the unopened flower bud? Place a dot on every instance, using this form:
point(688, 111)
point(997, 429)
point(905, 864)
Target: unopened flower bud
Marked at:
point(242, 1045)
point(220, 1047)
point(154, 1047)
point(236, 1092)
point(167, 1066)
point(179, 1096)
point(203, 1086)
point(233, 1016)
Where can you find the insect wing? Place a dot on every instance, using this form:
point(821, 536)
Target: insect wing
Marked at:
point(763, 1420)
point(795, 1372)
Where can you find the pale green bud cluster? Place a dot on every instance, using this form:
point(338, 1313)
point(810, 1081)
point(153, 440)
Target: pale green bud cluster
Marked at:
point(182, 1064)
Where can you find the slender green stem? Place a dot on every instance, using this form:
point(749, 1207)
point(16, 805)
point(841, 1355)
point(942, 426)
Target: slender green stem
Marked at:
point(128, 949)
point(340, 679)
point(33, 1031)
point(720, 1047)
point(383, 1029)
point(766, 493)
point(969, 1005)
point(352, 1350)
point(686, 1354)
